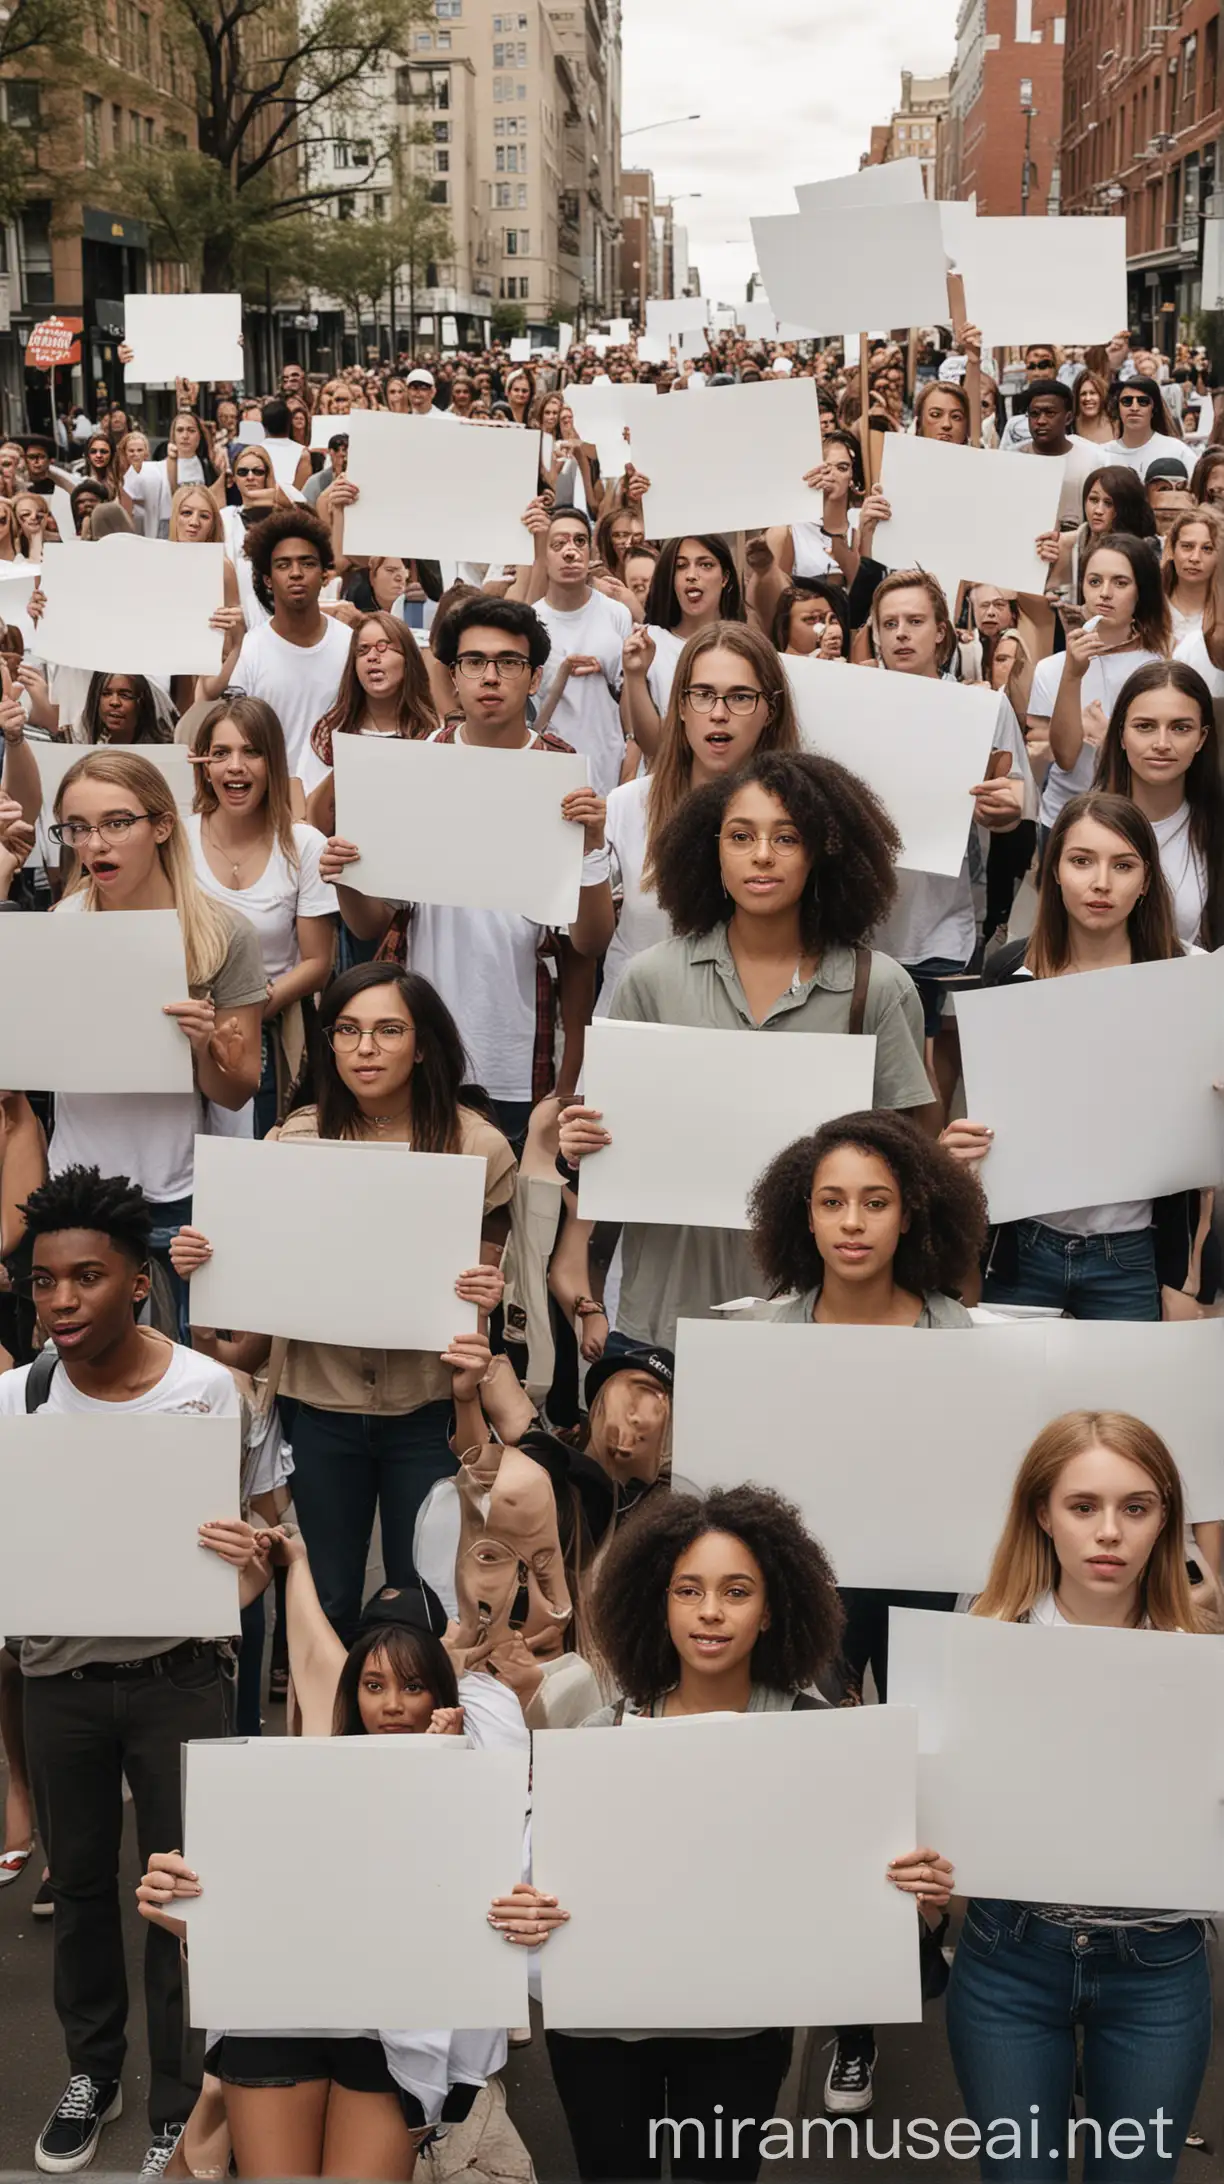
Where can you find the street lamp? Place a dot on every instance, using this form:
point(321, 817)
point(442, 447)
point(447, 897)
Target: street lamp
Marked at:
point(674, 123)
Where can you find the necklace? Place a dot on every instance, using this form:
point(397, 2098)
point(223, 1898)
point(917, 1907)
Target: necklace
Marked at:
point(383, 1123)
point(235, 864)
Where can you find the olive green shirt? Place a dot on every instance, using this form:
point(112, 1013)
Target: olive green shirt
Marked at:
point(680, 1273)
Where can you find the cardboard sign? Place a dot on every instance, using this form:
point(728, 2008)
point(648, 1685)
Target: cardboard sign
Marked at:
point(54, 342)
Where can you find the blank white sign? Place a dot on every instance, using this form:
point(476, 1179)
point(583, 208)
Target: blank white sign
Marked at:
point(894, 182)
point(450, 823)
point(400, 1227)
point(922, 1500)
point(1027, 278)
point(695, 1116)
point(397, 1936)
point(101, 1524)
point(966, 518)
point(873, 265)
point(1124, 1047)
point(83, 1002)
point(730, 464)
point(54, 760)
point(132, 606)
point(796, 1798)
point(601, 414)
point(921, 744)
point(668, 316)
point(449, 492)
point(1091, 1729)
point(183, 337)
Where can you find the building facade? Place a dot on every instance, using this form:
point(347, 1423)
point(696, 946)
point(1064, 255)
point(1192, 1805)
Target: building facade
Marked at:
point(1142, 126)
point(912, 132)
point(1001, 140)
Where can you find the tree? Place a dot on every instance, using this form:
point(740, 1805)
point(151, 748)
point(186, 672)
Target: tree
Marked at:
point(507, 320)
point(48, 38)
point(420, 237)
point(363, 261)
point(265, 75)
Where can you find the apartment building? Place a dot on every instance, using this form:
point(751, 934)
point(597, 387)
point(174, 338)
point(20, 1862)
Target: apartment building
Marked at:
point(912, 130)
point(1000, 142)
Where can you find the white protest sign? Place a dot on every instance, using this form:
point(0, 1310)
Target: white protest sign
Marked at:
point(450, 332)
point(653, 349)
point(84, 1000)
point(873, 264)
point(17, 580)
point(325, 429)
point(956, 1407)
point(353, 1952)
point(815, 1794)
point(132, 606)
point(1043, 280)
point(183, 337)
point(668, 316)
point(758, 321)
point(446, 491)
point(1080, 1033)
point(920, 743)
point(893, 182)
point(964, 516)
point(602, 413)
point(448, 823)
point(251, 432)
point(54, 760)
point(620, 331)
point(732, 463)
point(694, 1115)
point(124, 1498)
point(1094, 1723)
point(263, 1208)
point(520, 349)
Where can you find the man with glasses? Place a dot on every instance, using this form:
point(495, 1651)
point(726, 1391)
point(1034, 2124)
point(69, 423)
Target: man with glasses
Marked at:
point(1143, 434)
point(581, 681)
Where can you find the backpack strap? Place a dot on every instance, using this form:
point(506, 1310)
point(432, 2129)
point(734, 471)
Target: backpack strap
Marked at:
point(618, 1713)
point(858, 998)
point(39, 1377)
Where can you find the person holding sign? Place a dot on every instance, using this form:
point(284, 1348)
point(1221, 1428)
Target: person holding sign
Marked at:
point(723, 1605)
point(693, 586)
point(1162, 750)
point(295, 660)
point(384, 691)
point(97, 1709)
point(1102, 903)
point(768, 923)
point(1094, 1536)
point(371, 1426)
point(1073, 693)
point(581, 683)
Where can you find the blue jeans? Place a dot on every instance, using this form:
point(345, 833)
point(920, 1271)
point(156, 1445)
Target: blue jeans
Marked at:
point(169, 1216)
point(1089, 1277)
point(1020, 1986)
point(345, 1466)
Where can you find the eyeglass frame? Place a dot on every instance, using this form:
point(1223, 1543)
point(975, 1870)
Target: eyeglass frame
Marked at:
point(58, 831)
point(372, 1031)
point(503, 664)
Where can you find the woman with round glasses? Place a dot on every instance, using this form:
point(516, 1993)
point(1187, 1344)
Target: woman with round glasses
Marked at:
point(371, 1429)
point(1144, 436)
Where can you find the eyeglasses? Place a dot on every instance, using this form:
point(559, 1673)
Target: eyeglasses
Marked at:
point(372, 652)
point(703, 699)
point(1134, 401)
point(345, 1037)
point(258, 472)
point(73, 833)
point(742, 840)
point(474, 666)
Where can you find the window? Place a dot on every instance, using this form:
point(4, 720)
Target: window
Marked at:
point(342, 153)
point(501, 196)
point(512, 159)
point(441, 162)
point(424, 41)
point(521, 199)
point(522, 53)
point(441, 132)
point(510, 242)
point(1189, 82)
point(34, 233)
point(363, 153)
point(117, 135)
point(444, 41)
point(23, 104)
point(346, 208)
point(175, 140)
point(378, 206)
point(499, 56)
point(449, 11)
point(524, 236)
point(499, 126)
point(93, 127)
point(499, 88)
point(439, 193)
point(499, 158)
point(522, 90)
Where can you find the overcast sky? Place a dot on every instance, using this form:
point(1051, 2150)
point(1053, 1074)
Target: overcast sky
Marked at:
point(787, 91)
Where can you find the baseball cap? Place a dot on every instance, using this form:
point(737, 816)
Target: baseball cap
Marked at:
point(415, 1607)
point(1168, 466)
point(646, 1358)
point(419, 377)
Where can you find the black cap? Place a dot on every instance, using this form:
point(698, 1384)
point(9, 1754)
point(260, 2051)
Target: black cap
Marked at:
point(416, 1607)
point(1167, 466)
point(659, 1363)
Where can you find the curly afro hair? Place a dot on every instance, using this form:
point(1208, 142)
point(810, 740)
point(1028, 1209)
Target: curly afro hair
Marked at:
point(629, 1605)
point(274, 531)
point(943, 1198)
point(846, 831)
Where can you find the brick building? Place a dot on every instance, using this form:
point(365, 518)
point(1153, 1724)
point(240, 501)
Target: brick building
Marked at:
point(1141, 129)
point(912, 132)
point(1005, 107)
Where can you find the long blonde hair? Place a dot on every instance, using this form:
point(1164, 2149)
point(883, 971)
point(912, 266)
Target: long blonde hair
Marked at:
point(208, 931)
point(1025, 1565)
point(216, 535)
point(672, 774)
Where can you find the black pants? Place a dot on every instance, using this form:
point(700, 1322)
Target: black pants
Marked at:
point(83, 1733)
point(1007, 860)
point(865, 1638)
point(613, 2090)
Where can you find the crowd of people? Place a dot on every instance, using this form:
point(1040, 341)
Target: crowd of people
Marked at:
point(534, 1563)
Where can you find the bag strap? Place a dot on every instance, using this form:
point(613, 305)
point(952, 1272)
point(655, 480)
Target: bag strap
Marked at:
point(39, 1378)
point(618, 1713)
point(858, 998)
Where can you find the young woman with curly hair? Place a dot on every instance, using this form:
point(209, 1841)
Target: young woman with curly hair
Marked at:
point(715, 1605)
point(772, 880)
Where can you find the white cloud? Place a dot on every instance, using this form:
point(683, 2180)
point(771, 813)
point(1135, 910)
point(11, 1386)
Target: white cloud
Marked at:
point(787, 91)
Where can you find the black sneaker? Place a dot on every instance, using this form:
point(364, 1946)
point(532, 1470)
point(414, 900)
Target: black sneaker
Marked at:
point(69, 2138)
point(849, 2089)
point(154, 2163)
point(43, 1906)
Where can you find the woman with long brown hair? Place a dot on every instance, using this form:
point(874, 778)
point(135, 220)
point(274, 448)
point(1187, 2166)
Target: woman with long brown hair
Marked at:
point(1192, 551)
point(1090, 419)
point(694, 585)
point(384, 691)
point(1073, 692)
point(1094, 1537)
point(1162, 749)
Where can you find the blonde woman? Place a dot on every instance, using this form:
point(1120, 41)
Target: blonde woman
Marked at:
point(251, 854)
point(195, 519)
point(258, 495)
point(116, 813)
point(1094, 1537)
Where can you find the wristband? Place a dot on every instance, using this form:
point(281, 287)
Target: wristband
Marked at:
point(596, 866)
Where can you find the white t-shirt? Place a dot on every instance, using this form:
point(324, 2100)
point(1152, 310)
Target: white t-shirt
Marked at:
point(1192, 651)
point(662, 670)
point(284, 456)
point(811, 548)
point(149, 491)
point(1100, 685)
point(234, 534)
point(1184, 871)
point(278, 898)
point(1155, 450)
point(933, 917)
point(299, 682)
point(641, 922)
point(588, 714)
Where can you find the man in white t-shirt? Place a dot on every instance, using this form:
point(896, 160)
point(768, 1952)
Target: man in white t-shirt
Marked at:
point(293, 662)
point(100, 1709)
point(581, 683)
point(281, 448)
point(421, 387)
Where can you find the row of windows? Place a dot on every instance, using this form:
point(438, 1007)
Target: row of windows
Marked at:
point(449, 11)
point(510, 125)
point(510, 158)
point(123, 130)
point(508, 22)
point(516, 242)
point(512, 286)
point(504, 87)
point(506, 194)
point(424, 41)
point(510, 55)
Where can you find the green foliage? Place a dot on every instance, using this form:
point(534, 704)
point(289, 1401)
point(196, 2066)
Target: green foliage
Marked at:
point(507, 321)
